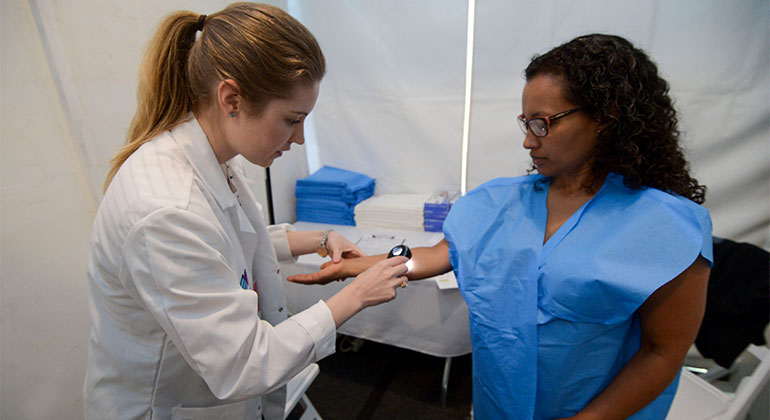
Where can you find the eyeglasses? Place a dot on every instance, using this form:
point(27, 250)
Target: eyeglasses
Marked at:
point(539, 126)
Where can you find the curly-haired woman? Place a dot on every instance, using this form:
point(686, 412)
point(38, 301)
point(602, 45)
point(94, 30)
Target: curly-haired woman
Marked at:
point(586, 283)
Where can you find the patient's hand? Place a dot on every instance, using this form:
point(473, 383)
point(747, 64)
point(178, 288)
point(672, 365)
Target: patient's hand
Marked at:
point(329, 272)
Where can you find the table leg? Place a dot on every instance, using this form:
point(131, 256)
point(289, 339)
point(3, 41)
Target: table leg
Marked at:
point(445, 380)
point(349, 343)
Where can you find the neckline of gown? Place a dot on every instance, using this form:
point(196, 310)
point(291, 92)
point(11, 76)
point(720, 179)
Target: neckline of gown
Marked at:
point(548, 246)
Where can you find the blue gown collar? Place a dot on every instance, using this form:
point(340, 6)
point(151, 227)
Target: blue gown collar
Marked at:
point(568, 225)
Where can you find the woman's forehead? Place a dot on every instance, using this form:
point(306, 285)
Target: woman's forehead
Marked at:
point(544, 94)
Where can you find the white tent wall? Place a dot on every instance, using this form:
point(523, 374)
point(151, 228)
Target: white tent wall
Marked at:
point(715, 56)
point(390, 106)
point(68, 78)
point(46, 212)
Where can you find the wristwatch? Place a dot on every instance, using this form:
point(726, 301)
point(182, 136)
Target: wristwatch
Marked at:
point(321, 248)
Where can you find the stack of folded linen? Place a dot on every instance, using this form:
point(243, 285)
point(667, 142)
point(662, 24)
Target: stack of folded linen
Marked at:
point(330, 195)
point(436, 209)
point(392, 211)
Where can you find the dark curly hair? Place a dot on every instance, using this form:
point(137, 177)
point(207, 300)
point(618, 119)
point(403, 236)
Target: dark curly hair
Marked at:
point(619, 86)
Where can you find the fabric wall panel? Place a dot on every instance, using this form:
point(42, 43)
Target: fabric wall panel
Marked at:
point(396, 75)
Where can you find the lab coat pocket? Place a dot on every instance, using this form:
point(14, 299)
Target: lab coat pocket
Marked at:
point(248, 409)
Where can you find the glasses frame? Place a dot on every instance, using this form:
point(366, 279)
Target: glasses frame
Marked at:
point(524, 123)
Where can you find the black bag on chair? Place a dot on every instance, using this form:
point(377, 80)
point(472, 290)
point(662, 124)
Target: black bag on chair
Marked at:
point(738, 301)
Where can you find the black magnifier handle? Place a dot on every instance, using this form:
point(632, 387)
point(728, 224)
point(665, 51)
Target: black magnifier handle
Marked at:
point(400, 250)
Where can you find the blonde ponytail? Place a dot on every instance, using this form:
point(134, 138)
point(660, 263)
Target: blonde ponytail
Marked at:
point(265, 50)
point(163, 96)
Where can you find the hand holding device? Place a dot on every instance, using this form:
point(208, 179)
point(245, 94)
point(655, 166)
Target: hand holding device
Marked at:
point(400, 250)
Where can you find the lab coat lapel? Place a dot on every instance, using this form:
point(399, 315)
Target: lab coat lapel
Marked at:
point(250, 215)
point(268, 282)
point(243, 213)
point(248, 239)
point(197, 149)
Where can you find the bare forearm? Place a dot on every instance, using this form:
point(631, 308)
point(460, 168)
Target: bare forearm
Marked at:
point(304, 242)
point(356, 266)
point(343, 305)
point(429, 262)
point(426, 262)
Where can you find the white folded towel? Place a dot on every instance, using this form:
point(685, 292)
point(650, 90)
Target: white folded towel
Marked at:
point(393, 211)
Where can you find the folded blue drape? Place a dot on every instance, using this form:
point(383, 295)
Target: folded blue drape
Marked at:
point(330, 194)
point(335, 183)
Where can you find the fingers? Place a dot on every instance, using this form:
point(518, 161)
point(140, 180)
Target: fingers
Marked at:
point(394, 261)
point(395, 273)
point(392, 267)
point(380, 282)
point(400, 266)
point(339, 246)
point(304, 278)
point(297, 278)
point(351, 251)
point(324, 276)
point(355, 251)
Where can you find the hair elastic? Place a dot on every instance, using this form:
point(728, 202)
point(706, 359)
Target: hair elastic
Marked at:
point(201, 21)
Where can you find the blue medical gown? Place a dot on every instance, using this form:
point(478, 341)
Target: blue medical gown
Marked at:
point(552, 324)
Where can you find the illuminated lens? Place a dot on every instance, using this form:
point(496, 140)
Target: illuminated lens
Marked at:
point(538, 126)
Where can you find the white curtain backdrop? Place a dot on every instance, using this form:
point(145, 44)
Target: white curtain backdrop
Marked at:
point(391, 106)
point(392, 101)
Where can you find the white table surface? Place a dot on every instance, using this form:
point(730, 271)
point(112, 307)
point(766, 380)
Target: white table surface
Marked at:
point(422, 317)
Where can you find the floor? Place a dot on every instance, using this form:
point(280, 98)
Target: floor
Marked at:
point(378, 381)
point(370, 381)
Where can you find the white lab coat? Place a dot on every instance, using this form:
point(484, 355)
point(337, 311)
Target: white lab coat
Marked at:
point(175, 336)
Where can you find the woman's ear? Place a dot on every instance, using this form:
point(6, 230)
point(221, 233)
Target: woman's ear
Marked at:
point(229, 97)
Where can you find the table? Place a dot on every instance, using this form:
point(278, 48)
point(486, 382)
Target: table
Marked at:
point(422, 317)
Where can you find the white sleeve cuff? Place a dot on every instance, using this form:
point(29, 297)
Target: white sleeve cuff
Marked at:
point(281, 242)
point(317, 320)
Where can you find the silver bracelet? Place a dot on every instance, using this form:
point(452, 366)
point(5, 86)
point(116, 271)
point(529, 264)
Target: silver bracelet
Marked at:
point(321, 249)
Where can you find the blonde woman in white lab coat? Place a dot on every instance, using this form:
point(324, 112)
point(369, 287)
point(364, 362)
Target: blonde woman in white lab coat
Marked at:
point(179, 248)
